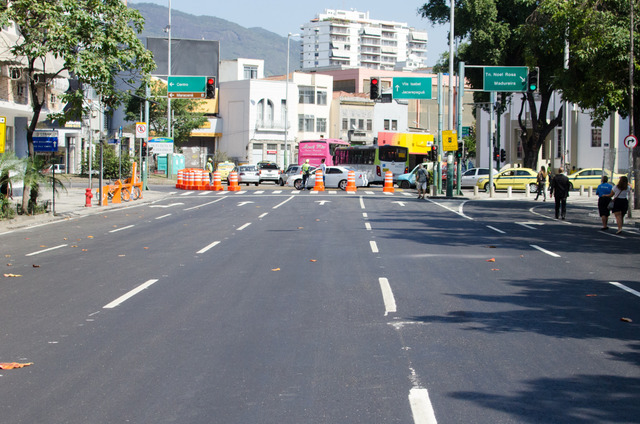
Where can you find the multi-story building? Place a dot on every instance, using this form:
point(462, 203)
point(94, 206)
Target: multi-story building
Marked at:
point(350, 39)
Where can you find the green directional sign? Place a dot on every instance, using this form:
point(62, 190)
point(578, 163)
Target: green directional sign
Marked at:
point(411, 88)
point(187, 87)
point(505, 78)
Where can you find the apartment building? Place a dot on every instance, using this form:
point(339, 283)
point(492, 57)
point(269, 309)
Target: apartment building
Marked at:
point(350, 39)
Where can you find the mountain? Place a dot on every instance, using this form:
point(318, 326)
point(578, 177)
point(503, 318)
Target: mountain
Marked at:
point(235, 40)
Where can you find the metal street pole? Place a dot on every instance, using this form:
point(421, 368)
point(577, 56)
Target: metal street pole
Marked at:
point(459, 126)
point(168, 75)
point(438, 177)
point(631, 105)
point(286, 106)
point(492, 97)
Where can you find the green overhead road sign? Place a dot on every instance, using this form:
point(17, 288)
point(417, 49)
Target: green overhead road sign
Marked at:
point(505, 78)
point(411, 88)
point(187, 87)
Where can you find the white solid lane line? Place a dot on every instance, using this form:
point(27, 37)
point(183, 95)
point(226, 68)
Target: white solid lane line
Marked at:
point(128, 295)
point(495, 229)
point(282, 203)
point(123, 228)
point(45, 250)
point(163, 216)
point(387, 296)
point(555, 255)
point(625, 288)
point(421, 406)
point(374, 246)
point(242, 227)
point(204, 249)
point(205, 204)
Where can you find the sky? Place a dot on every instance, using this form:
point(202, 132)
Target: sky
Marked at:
point(285, 16)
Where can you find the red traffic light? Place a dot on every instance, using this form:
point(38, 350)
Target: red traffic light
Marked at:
point(210, 81)
point(374, 81)
point(211, 88)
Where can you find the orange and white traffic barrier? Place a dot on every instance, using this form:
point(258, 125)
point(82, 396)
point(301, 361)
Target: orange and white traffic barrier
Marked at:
point(233, 182)
point(217, 181)
point(204, 178)
point(388, 182)
point(319, 182)
point(351, 182)
point(180, 182)
point(188, 179)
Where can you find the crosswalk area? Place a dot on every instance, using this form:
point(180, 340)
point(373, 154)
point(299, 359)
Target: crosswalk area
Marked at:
point(398, 192)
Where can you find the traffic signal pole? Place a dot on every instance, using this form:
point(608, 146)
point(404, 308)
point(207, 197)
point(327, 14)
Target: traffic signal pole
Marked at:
point(459, 126)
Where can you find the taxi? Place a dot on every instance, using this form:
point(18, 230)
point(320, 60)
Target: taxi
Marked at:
point(591, 177)
point(516, 178)
point(225, 168)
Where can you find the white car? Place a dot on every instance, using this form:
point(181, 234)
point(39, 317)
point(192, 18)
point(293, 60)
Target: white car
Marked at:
point(471, 176)
point(337, 177)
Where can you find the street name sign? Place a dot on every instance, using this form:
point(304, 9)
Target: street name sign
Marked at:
point(45, 141)
point(505, 78)
point(186, 87)
point(411, 88)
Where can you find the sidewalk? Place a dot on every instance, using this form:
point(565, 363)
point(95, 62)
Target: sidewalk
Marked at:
point(71, 202)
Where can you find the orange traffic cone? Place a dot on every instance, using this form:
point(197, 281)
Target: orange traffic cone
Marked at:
point(180, 182)
point(319, 182)
point(351, 182)
point(233, 182)
point(388, 182)
point(217, 181)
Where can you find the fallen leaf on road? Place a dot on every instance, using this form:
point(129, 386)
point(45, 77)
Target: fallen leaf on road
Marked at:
point(313, 260)
point(12, 275)
point(35, 266)
point(626, 319)
point(42, 245)
point(495, 269)
point(491, 260)
point(13, 365)
point(146, 248)
point(89, 236)
point(275, 269)
point(84, 250)
point(591, 295)
point(122, 256)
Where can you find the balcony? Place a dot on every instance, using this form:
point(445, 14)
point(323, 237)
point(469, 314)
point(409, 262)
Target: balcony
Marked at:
point(267, 125)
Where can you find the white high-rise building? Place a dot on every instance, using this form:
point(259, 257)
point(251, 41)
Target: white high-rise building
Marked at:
point(349, 39)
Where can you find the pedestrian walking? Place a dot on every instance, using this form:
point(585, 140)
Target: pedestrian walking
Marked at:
point(620, 198)
point(306, 170)
point(323, 166)
point(560, 191)
point(421, 181)
point(209, 168)
point(542, 181)
point(604, 199)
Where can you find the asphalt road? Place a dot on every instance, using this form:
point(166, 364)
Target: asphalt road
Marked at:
point(292, 307)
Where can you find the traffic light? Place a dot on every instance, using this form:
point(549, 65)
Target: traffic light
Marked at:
point(374, 88)
point(532, 80)
point(211, 88)
point(459, 151)
point(496, 153)
point(503, 155)
point(143, 152)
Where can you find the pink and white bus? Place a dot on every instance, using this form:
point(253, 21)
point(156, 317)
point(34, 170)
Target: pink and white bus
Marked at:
point(316, 150)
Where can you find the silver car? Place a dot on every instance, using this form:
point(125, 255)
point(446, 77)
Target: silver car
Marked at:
point(336, 177)
point(291, 170)
point(248, 174)
point(471, 176)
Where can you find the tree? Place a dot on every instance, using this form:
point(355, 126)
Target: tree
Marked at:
point(185, 113)
point(597, 78)
point(501, 32)
point(94, 41)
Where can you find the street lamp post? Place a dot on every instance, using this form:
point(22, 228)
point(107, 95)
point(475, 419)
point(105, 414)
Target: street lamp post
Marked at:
point(286, 105)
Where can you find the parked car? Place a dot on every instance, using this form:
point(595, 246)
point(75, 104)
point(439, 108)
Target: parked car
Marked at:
point(470, 177)
point(225, 168)
point(336, 177)
point(60, 168)
point(590, 177)
point(291, 170)
point(516, 178)
point(268, 171)
point(248, 174)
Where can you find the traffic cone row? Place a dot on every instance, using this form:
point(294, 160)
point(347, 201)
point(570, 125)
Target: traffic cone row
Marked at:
point(233, 182)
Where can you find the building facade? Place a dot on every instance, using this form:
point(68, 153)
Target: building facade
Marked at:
point(350, 39)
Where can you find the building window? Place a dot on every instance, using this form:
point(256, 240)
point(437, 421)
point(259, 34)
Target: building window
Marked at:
point(345, 124)
point(596, 137)
point(559, 144)
point(321, 125)
point(305, 123)
point(386, 125)
point(21, 90)
point(250, 72)
point(369, 125)
point(307, 95)
point(394, 125)
point(352, 124)
point(321, 97)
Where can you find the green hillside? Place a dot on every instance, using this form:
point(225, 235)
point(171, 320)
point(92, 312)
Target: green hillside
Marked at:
point(235, 41)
